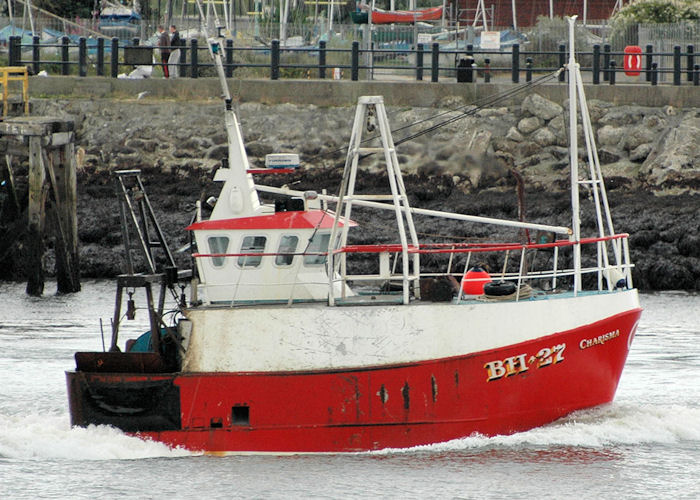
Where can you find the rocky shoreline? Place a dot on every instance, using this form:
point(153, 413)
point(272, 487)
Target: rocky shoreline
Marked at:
point(650, 157)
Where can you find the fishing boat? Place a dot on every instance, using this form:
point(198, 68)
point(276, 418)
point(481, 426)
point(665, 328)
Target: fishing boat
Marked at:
point(380, 16)
point(116, 18)
point(283, 346)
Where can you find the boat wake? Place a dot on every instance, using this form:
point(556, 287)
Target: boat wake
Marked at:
point(597, 428)
point(51, 437)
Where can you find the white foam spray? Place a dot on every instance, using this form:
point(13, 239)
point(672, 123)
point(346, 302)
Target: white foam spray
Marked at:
point(603, 427)
point(51, 437)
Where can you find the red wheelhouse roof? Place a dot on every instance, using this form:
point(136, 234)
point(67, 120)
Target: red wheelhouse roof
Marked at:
point(280, 220)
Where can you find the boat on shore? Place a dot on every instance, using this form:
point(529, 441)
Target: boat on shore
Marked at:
point(115, 18)
point(380, 16)
point(286, 345)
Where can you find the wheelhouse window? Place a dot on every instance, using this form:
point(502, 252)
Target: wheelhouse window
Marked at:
point(288, 245)
point(218, 244)
point(251, 244)
point(318, 244)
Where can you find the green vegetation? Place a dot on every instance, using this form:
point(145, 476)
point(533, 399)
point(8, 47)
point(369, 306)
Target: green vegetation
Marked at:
point(669, 12)
point(658, 11)
point(67, 8)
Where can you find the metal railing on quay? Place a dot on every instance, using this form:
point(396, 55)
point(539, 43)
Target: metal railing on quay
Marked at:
point(109, 58)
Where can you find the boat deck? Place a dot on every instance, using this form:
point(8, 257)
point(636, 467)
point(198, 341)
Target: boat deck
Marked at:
point(383, 299)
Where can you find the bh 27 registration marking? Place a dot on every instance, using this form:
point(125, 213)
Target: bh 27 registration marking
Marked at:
point(521, 363)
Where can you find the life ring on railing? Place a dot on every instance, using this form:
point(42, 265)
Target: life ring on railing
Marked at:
point(474, 281)
point(499, 288)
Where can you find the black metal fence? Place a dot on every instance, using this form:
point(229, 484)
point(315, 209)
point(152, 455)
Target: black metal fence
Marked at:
point(467, 65)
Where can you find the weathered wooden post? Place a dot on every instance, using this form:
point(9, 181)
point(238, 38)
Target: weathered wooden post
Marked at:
point(65, 185)
point(48, 144)
point(36, 219)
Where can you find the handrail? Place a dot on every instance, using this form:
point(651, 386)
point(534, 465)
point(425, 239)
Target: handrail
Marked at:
point(521, 276)
point(426, 212)
point(521, 61)
point(439, 248)
point(477, 247)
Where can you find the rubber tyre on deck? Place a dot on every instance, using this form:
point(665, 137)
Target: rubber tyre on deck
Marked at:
point(499, 288)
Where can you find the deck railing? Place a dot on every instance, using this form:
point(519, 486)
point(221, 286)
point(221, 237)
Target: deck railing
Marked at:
point(605, 273)
point(607, 276)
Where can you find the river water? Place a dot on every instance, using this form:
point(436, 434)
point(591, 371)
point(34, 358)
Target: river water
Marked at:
point(646, 444)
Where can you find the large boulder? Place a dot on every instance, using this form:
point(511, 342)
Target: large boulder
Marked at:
point(514, 135)
point(609, 135)
point(636, 136)
point(540, 107)
point(641, 152)
point(529, 124)
point(597, 109)
point(544, 137)
point(672, 165)
point(623, 115)
point(608, 154)
point(479, 143)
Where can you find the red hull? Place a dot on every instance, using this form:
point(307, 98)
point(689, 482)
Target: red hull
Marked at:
point(406, 16)
point(531, 384)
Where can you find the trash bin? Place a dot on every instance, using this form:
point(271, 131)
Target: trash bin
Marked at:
point(465, 73)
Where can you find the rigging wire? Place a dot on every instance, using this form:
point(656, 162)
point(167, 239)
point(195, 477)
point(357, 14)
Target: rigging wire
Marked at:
point(469, 112)
point(473, 109)
point(486, 101)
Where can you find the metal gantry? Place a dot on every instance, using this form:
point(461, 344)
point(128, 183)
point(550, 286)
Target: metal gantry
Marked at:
point(370, 115)
point(138, 218)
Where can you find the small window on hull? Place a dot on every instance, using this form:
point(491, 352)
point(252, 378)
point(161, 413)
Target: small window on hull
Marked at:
point(318, 244)
point(218, 244)
point(288, 245)
point(252, 244)
point(240, 415)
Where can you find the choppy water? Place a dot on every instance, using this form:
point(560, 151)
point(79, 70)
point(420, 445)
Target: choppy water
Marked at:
point(645, 445)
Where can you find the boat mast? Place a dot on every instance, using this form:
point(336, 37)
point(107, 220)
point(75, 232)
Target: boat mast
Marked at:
point(573, 157)
point(284, 11)
point(596, 185)
point(238, 196)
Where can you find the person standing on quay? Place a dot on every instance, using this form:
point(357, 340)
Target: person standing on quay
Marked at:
point(175, 43)
point(164, 45)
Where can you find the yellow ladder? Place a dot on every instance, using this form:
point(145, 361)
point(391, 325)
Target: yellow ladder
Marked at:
point(14, 74)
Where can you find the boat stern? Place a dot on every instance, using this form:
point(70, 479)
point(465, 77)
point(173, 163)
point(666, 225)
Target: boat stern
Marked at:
point(123, 390)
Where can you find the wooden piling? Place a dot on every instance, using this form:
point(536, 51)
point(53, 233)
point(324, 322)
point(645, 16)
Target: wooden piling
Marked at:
point(48, 143)
point(12, 207)
point(36, 219)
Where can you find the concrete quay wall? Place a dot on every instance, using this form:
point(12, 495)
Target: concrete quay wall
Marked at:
point(345, 93)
